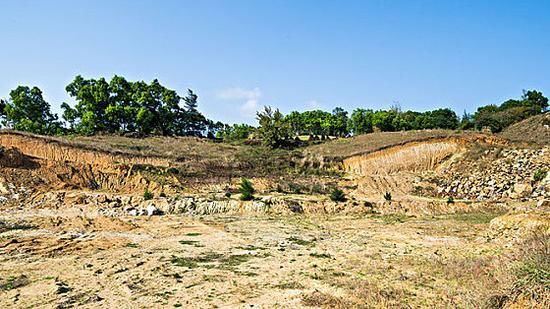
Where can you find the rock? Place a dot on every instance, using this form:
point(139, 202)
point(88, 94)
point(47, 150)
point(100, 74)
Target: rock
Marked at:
point(3, 200)
point(523, 189)
point(62, 288)
point(152, 210)
point(4, 188)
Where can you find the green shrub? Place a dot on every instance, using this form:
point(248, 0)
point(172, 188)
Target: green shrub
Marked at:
point(228, 194)
point(295, 188)
point(450, 200)
point(147, 195)
point(317, 188)
point(540, 175)
point(280, 189)
point(246, 189)
point(387, 196)
point(337, 195)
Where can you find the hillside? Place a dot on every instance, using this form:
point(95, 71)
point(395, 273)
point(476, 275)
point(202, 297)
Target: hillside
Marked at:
point(418, 209)
point(535, 129)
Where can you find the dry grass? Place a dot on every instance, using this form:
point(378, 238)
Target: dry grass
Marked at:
point(342, 148)
point(530, 130)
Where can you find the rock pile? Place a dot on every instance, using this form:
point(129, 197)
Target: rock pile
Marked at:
point(498, 174)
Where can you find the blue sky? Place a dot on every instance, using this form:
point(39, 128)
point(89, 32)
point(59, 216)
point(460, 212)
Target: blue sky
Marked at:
point(295, 54)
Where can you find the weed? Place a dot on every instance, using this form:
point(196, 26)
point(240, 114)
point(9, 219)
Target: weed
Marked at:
point(132, 245)
point(450, 200)
point(540, 175)
point(320, 255)
point(302, 242)
point(188, 242)
point(193, 234)
point(387, 196)
point(147, 195)
point(337, 195)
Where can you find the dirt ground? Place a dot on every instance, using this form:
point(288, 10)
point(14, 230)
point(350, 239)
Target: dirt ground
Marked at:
point(61, 258)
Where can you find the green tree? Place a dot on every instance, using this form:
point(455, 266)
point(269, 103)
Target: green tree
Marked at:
point(28, 111)
point(360, 121)
point(193, 122)
point(340, 122)
point(246, 189)
point(273, 130)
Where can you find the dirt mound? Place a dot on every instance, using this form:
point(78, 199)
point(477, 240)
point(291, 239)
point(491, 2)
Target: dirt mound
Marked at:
point(534, 130)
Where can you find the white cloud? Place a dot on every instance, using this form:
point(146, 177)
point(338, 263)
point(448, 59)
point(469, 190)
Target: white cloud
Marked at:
point(313, 104)
point(251, 98)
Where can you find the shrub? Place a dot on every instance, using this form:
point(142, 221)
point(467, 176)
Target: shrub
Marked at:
point(280, 188)
point(295, 188)
point(162, 194)
point(317, 188)
point(228, 194)
point(450, 200)
point(540, 175)
point(337, 195)
point(147, 195)
point(387, 196)
point(368, 204)
point(246, 189)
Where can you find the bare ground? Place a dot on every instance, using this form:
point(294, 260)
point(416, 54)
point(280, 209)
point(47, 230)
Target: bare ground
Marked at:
point(55, 258)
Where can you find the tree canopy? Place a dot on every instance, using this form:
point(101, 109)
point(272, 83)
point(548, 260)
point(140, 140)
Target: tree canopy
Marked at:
point(119, 106)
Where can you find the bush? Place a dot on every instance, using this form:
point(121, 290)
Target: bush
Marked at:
point(540, 175)
point(317, 188)
point(337, 195)
point(387, 196)
point(162, 194)
point(280, 188)
point(246, 189)
point(450, 200)
point(147, 195)
point(228, 194)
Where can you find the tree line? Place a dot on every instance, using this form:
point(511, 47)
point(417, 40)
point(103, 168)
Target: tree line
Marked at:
point(119, 106)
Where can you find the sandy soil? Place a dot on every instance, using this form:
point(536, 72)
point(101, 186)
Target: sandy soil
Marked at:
point(61, 258)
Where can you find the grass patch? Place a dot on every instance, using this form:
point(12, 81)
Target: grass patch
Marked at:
point(473, 217)
point(392, 218)
point(193, 234)
point(13, 283)
point(291, 285)
point(320, 255)
point(302, 242)
point(189, 242)
point(212, 260)
point(250, 248)
point(132, 245)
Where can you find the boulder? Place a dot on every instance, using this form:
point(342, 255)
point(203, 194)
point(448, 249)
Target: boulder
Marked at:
point(152, 210)
point(523, 189)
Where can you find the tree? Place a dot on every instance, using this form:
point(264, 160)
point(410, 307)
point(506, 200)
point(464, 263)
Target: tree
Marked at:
point(28, 111)
point(273, 129)
point(535, 98)
point(340, 122)
point(3, 104)
point(360, 121)
point(246, 189)
point(235, 132)
point(194, 123)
